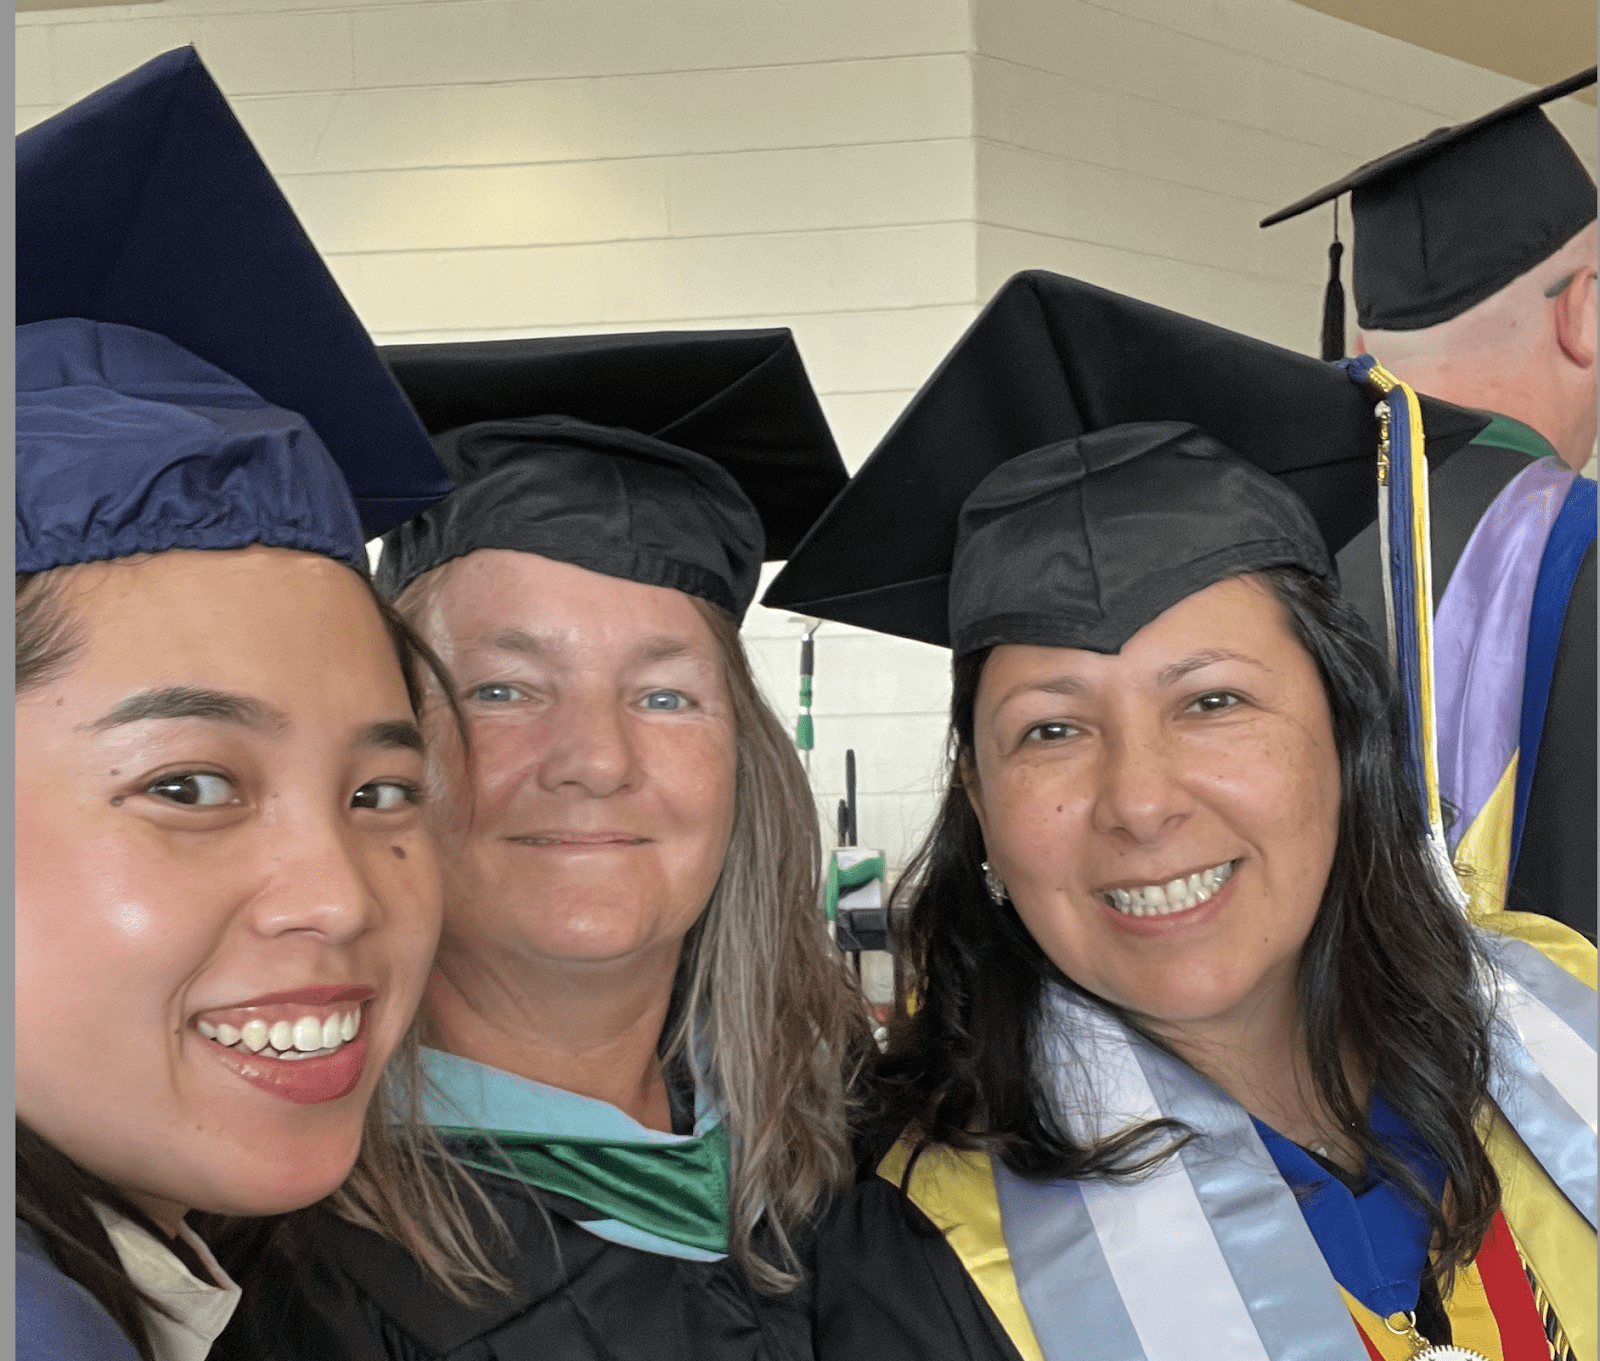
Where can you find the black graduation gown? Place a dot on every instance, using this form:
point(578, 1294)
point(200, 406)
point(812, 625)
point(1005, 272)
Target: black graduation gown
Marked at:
point(328, 1291)
point(1556, 867)
point(888, 1287)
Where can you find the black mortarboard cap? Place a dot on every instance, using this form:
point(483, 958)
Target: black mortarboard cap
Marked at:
point(678, 458)
point(1080, 462)
point(145, 205)
point(1447, 221)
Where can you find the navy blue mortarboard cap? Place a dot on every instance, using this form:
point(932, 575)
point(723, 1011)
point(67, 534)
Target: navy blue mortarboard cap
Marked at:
point(127, 443)
point(677, 459)
point(146, 205)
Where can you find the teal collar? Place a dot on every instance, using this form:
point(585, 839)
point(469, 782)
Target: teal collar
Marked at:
point(660, 1192)
point(463, 1092)
point(1505, 433)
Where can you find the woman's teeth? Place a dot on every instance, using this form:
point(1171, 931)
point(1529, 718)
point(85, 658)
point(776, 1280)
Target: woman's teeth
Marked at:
point(306, 1038)
point(1162, 900)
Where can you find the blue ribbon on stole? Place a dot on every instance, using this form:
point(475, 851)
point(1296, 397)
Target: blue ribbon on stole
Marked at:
point(1376, 1242)
point(1208, 1250)
point(1564, 552)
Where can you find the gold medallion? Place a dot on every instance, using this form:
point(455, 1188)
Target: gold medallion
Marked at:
point(1405, 1325)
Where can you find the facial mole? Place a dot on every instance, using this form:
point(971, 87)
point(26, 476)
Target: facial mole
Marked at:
point(117, 802)
point(399, 852)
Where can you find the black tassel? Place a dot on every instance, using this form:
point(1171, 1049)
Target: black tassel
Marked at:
point(1333, 300)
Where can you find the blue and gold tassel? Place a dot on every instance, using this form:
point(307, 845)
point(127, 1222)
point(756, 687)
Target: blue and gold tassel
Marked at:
point(1406, 545)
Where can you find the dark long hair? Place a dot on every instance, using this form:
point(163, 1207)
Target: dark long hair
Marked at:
point(1387, 975)
point(55, 1196)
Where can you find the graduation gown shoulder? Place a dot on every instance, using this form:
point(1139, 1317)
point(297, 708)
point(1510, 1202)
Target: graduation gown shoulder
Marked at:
point(57, 1319)
point(1556, 869)
point(331, 1291)
point(889, 1287)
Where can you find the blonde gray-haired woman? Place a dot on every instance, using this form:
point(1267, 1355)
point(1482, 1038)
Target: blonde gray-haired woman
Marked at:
point(640, 1038)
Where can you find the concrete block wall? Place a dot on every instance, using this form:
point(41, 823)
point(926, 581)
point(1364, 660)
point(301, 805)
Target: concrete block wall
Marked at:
point(484, 168)
point(480, 168)
point(867, 174)
point(1137, 143)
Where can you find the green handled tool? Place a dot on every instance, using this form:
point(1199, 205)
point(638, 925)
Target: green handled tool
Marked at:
point(805, 737)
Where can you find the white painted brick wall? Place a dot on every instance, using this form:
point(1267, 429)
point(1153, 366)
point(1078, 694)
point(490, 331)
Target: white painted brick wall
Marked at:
point(1138, 143)
point(867, 174)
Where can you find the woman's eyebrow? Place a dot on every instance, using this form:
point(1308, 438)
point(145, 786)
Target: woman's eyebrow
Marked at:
point(1057, 685)
point(520, 640)
point(1170, 675)
point(188, 701)
point(393, 734)
point(663, 647)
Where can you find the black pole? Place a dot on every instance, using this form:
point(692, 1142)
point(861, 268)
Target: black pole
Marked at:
point(1333, 298)
point(850, 791)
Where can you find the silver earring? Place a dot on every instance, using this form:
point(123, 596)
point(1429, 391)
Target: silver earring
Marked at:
point(992, 885)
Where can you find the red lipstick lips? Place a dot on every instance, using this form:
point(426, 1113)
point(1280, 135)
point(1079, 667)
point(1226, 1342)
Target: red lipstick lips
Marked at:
point(320, 996)
point(306, 1082)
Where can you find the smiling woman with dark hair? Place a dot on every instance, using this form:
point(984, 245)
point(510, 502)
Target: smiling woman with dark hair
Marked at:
point(1200, 1054)
point(226, 897)
point(187, 915)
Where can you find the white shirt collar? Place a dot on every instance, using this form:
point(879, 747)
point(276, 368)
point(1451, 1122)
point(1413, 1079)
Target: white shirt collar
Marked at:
point(199, 1310)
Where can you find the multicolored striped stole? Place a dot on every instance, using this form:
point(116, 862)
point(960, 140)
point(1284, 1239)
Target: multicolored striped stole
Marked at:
point(1210, 1254)
point(1495, 639)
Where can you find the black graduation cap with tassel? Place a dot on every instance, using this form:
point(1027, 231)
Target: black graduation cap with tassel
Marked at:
point(1451, 218)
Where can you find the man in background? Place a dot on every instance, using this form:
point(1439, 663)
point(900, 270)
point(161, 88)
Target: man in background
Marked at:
point(1527, 351)
point(1475, 282)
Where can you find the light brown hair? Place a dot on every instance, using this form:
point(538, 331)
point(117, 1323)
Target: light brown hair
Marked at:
point(767, 1016)
point(767, 997)
point(407, 1188)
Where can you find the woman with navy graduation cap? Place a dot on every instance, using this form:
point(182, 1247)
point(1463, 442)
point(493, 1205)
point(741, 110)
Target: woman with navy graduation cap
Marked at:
point(639, 1035)
point(1202, 1056)
point(226, 899)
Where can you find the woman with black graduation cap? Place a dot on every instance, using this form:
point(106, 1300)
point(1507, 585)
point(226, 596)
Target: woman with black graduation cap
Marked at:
point(1201, 1055)
point(639, 1033)
point(226, 898)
